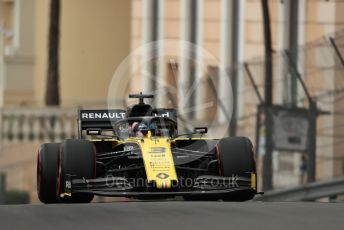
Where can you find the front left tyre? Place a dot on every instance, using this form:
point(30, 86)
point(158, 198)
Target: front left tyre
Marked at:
point(47, 172)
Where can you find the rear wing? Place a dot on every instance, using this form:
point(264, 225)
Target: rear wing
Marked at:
point(103, 118)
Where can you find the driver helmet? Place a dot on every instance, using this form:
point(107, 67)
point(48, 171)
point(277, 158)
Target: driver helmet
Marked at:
point(142, 130)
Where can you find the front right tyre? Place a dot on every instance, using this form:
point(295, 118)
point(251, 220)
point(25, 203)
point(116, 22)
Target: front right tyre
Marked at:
point(76, 158)
point(236, 158)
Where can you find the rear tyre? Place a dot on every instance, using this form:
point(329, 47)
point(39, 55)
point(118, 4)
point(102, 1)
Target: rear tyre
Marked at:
point(47, 171)
point(77, 157)
point(236, 158)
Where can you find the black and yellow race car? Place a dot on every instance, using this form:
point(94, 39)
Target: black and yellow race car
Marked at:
point(138, 153)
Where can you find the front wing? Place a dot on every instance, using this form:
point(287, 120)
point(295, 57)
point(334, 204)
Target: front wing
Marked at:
point(121, 187)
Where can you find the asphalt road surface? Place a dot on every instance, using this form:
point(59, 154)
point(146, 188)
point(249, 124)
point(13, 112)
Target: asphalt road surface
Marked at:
point(174, 215)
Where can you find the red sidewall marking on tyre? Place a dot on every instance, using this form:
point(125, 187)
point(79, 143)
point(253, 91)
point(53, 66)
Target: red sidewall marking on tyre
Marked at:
point(59, 172)
point(218, 159)
point(39, 171)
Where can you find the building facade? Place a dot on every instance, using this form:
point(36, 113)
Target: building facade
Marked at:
point(232, 32)
point(94, 39)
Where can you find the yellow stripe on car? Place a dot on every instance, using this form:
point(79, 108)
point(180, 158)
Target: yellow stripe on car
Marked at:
point(62, 195)
point(253, 181)
point(158, 161)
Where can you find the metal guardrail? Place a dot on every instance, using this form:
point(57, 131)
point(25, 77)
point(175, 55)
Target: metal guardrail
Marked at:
point(308, 192)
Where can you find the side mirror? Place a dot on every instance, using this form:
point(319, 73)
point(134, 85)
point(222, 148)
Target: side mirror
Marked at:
point(201, 130)
point(93, 131)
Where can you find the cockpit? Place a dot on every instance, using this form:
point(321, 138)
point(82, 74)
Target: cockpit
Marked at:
point(140, 126)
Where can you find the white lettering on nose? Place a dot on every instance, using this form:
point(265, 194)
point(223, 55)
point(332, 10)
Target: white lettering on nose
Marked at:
point(91, 115)
point(84, 115)
point(98, 115)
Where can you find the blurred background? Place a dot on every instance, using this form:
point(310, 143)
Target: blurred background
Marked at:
point(283, 64)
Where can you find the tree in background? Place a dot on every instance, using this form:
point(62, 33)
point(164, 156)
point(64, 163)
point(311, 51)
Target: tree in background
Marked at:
point(52, 94)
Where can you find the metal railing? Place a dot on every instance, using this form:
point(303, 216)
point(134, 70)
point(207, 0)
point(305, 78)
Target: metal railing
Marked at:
point(308, 192)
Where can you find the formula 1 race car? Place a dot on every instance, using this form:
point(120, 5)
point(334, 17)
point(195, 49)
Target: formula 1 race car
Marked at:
point(138, 153)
